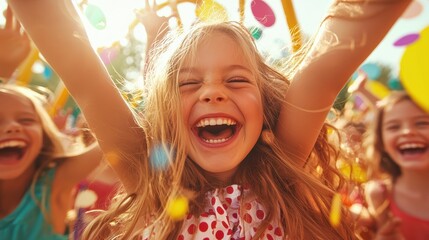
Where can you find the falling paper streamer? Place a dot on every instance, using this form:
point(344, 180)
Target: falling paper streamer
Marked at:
point(335, 214)
point(95, 16)
point(406, 40)
point(209, 10)
point(177, 208)
point(256, 32)
point(159, 158)
point(263, 13)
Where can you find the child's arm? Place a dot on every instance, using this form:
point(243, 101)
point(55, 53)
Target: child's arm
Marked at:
point(351, 32)
point(55, 27)
point(14, 45)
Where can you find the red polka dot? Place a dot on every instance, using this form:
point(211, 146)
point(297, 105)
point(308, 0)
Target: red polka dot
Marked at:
point(278, 232)
point(225, 224)
point(189, 216)
point(206, 238)
point(229, 190)
point(269, 237)
point(213, 225)
point(260, 214)
point(181, 237)
point(213, 201)
point(225, 206)
point(229, 232)
point(192, 229)
point(248, 206)
point(203, 226)
point(204, 214)
point(270, 227)
point(235, 215)
point(228, 200)
point(247, 218)
point(220, 210)
point(219, 234)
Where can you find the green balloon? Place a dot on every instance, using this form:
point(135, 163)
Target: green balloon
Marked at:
point(256, 32)
point(95, 16)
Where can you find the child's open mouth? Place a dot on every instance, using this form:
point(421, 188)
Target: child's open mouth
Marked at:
point(412, 149)
point(11, 151)
point(216, 130)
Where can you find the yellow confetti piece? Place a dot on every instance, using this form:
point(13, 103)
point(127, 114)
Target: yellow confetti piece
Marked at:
point(177, 208)
point(335, 214)
point(353, 172)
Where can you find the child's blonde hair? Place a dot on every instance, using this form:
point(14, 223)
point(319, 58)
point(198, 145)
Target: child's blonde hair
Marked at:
point(297, 193)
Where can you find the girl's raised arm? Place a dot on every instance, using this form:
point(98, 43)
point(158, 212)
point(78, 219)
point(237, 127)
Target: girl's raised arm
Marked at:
point(56, 29)
point(345, 39)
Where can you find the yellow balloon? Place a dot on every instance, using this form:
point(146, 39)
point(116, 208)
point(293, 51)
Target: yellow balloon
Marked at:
point(178, 208)
point(414, 70)
point(210, 10)
point(378, 89)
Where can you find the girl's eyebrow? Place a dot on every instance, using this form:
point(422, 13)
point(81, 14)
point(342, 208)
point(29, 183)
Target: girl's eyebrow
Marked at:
point(226, 68)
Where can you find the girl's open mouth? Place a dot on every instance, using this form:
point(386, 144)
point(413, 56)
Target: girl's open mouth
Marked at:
point(216, 130)
point(12, 151)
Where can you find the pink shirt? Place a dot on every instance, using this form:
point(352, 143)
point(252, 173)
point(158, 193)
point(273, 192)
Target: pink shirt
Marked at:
point(412, 228)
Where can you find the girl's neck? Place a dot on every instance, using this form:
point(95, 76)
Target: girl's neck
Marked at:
point(12, 191)
point(413, 184)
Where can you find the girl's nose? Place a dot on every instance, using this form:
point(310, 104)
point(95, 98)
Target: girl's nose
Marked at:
point(407, 129)
point(213, 94)
point(13, 128)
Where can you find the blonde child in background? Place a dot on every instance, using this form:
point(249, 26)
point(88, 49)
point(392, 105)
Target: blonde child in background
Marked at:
point(244, 143)
point(37, 174)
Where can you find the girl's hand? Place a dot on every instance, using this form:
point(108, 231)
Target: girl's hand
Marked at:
point(155, 25)
point(390, 230)
point(14, 45)
point(359, 83)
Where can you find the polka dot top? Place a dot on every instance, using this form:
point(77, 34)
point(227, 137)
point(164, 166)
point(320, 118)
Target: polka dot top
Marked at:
point(225, 218)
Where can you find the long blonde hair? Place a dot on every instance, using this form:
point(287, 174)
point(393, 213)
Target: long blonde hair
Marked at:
point(299, 195)
point(53, 148)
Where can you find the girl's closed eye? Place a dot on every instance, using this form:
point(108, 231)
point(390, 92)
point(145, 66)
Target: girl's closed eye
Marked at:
point(27, 120)
point(391, 127)
point(238, 82)
point(422, 123)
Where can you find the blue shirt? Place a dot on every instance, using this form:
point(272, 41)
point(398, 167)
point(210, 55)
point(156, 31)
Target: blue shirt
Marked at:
point(27, 220)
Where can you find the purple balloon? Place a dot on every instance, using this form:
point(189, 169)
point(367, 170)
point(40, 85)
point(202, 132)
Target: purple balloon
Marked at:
point(263, 13)
point(406, 40)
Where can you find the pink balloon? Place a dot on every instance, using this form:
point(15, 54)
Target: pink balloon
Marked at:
point(413, 10)
point(263, 13)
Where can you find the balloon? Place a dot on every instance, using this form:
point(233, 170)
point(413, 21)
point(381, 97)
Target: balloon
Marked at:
point(210, 10)
point(406, 40)
point(256, 32)
point(414, 70)
point(263, 13)
point(95, 16)
point(378, 89)
point(413, 10)
point(372, 70)
point(394, 84)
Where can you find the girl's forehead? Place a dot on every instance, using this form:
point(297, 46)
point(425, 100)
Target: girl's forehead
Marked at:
point(12, 100)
